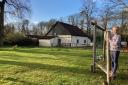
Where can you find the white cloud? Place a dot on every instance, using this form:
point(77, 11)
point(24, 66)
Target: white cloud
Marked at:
point(35, 22)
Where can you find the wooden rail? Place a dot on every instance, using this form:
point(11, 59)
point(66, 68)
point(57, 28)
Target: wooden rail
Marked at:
point(73, 45)
point(97, 26)
point(102, 68)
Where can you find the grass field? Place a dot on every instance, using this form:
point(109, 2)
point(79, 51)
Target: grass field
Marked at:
point(53, 66)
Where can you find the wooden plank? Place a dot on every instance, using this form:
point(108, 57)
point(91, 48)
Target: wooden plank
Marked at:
point(102, 68)
point(97, 26)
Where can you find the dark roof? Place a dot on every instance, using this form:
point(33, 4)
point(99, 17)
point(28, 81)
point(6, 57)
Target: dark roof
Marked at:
point(41, 37)
point(73, 30)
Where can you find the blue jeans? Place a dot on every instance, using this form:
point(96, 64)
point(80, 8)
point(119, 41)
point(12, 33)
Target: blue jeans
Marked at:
point(114, 58)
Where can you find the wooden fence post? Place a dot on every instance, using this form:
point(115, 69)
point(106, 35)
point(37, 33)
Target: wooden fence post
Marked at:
point(94, 48)
point(108, 56)
point(104, 47)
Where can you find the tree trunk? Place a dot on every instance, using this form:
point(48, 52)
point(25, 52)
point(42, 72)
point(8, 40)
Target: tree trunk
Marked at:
point(87, 24)
point(1, 23)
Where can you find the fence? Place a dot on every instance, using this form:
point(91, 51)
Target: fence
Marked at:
point(106, 52)
point(73, 45)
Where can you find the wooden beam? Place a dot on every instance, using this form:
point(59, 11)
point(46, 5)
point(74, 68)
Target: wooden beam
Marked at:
point(102, 68)
point(97, 26)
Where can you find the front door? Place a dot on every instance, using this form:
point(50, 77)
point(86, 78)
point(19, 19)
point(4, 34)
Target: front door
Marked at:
point(59, 42)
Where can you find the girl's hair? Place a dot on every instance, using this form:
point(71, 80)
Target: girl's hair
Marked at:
point(116, 27)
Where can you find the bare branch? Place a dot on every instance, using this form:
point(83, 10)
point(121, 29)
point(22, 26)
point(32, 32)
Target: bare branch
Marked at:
point(20, 7)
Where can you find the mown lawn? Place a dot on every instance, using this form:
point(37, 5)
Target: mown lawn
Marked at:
point(53, 66)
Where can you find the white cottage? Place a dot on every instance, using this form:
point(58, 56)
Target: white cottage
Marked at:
point(64, 35)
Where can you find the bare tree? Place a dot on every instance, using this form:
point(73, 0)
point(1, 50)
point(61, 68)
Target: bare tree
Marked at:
point(9, 28)
point(109, 13)
point(34, 30)
point(87, 12)
point(123, 16)
point(106, 15)
point(116, 12)
point(82, 24)
point(50, 23)
point(25, 27)
point(73, 19)
point(15, 7)
point(124, 24)
point(42, 27)
point(120, 2)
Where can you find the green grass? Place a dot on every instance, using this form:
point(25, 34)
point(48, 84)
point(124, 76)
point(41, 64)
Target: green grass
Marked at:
point(53, 66)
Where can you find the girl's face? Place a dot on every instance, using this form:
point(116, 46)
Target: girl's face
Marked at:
point(114, 30)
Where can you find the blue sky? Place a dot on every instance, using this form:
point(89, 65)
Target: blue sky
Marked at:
point(44, 10)
point(48, 9)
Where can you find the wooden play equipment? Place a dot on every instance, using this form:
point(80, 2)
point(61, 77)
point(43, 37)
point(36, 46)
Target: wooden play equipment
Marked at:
point(105, 61)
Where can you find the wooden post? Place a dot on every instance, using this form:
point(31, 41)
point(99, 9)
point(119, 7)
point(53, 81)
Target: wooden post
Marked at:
point(104, 47)
point(94, 48)
point(108, 57)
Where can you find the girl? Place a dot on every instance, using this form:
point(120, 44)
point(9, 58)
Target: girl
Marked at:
point(115, 45)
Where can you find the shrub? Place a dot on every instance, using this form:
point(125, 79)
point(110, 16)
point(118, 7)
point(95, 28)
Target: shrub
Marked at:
point(20, 40)
point(26, 42)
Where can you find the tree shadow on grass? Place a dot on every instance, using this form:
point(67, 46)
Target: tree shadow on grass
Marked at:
point(21, 81)
point(59, 55)
point(47, 67)
point(55, 52)
point(51, 52)
point(15, 56)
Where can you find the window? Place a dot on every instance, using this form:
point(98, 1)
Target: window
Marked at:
point(77, 41)
point(84, 41)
